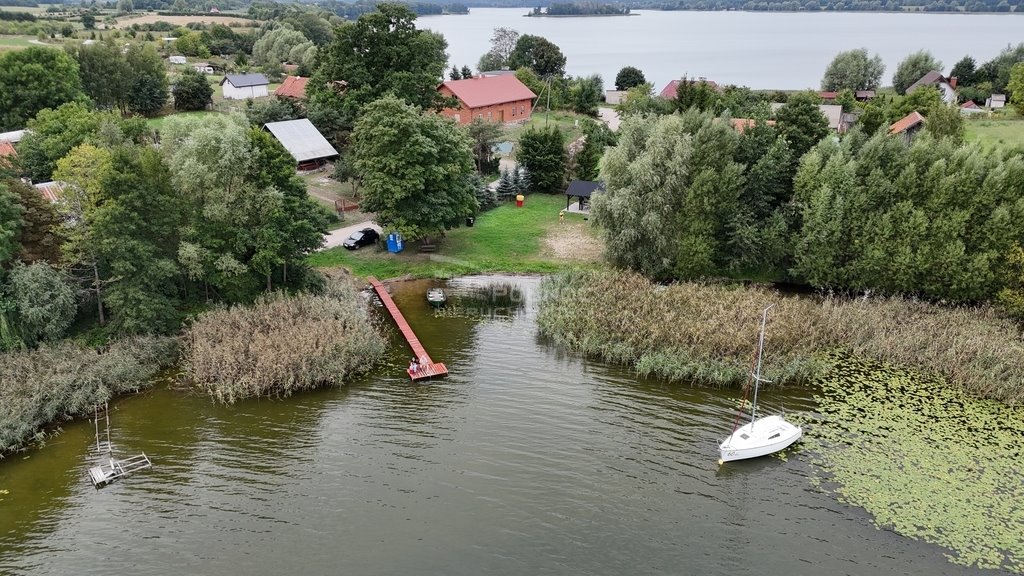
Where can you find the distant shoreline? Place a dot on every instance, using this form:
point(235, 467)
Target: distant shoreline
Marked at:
point(532, 15)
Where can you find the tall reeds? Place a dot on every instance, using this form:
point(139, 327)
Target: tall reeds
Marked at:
point(53, 383)
point(706, 333)
point(282, 344)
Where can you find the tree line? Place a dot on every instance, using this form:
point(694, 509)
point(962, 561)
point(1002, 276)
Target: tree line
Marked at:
point(580, 9)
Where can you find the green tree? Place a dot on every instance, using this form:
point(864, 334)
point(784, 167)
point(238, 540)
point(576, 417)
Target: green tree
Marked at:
point(585, 94)
point(381, 53)
point(924, 100)
point(695, 94)
point(853, 70)
point(641, 100)
point(415, 168)
point(38, 236)
point(43, 302)
point(912, 68)
point(10, 224)
point(282, 44)
point(485, 136)
point(33, 79)
point(192, 91)
point(538, 54)
point(872, 119)
point(503, 42)
point(542, 153)
point(847, 100)
point(135, 228)
point(945, 121)
point(598, 136)
point(53, 133)
point(88, 21)
point(191, 44)
point(466, 72)
point(1016, 87)
point(629, 77)
point(671, 189)
point(801, 122)
point(455, 74)
point(965, 71)
point(130, 79)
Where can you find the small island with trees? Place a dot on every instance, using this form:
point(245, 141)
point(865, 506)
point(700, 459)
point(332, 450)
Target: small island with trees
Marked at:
point(564, 9)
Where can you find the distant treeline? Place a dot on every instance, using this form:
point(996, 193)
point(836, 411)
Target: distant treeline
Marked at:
point(17, 16)
point(26, 3)
point(580, 9)
point(352, 11)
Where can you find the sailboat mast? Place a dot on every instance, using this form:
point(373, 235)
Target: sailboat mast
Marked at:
point(757, 371)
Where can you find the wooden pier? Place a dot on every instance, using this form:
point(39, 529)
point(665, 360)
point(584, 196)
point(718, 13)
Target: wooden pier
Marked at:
point(427, 368)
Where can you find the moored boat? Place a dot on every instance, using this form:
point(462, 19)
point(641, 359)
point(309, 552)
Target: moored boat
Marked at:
point(436, 297)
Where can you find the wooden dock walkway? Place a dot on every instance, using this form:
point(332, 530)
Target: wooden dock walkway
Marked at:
point(428, 368)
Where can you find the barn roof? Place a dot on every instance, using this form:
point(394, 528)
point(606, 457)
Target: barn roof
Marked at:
point(302, 140)
point(483, 91)
point(292, 87)
point(906, 123)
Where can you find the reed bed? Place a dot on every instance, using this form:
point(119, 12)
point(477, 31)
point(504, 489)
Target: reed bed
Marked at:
point(283, 344)
point(706, 333)
point(53, 383)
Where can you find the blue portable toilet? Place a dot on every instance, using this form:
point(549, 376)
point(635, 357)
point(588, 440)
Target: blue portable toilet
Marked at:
point(395, 243)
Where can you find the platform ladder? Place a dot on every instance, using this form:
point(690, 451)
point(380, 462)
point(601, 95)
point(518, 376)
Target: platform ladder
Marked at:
point(111, 469)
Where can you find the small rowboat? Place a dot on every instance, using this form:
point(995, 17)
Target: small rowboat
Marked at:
point(436, 297)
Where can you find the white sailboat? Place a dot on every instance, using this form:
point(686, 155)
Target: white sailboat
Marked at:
point(760, 436)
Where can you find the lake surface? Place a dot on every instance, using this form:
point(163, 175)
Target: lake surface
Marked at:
point(761, 50)
point(525, 460)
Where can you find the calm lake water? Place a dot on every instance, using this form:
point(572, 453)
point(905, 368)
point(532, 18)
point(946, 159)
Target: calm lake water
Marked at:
point(761, 50)
point(525, 460)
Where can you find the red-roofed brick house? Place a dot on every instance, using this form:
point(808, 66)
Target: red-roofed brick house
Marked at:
point(494, 98)
point(292, 87)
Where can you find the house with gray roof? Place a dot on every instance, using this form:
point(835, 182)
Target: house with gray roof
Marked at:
point(946, 86)
point(242, 86)
point(303, 141)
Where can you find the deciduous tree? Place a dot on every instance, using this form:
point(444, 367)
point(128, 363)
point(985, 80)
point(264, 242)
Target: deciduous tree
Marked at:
point(43, 302)
point(33, 79)
point(853, 70)
point(628, 77)
point(1016, 87)
point(485, 136)
point(381, 53)
point(912, 68)
point(415, 168)
point(538, 54)
point(503, 42)
point(801, 122)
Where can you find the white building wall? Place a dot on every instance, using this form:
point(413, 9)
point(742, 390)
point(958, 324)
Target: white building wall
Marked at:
point(232, 93)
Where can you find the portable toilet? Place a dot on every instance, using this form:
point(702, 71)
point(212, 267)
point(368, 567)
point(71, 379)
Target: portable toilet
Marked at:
point(395, 243)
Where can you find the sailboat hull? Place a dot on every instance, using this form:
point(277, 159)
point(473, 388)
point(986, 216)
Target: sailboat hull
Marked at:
point(762, 437)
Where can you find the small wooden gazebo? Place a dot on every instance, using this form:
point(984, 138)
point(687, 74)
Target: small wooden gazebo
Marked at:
point(581, 190)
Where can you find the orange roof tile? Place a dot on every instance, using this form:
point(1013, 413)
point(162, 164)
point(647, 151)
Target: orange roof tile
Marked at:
point(906, 123)
point(52, 191)
point(969, 104)
point(669, 91)
point(292, 87)
point(489, 90)
point(7, 149)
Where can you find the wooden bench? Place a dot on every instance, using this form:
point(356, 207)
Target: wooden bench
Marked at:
point(428, 248)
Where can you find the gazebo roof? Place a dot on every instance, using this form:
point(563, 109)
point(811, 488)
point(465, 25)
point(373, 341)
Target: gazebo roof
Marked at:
point(583, 188)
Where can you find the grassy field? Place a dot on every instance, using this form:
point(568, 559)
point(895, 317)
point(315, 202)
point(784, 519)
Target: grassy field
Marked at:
point(566, 121)
point(14, 42)
point(506, 239)
point(158, 122)
point(1006, 129)
point(126, 21)
point(30, 9)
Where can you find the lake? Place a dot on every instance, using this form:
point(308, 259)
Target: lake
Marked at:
point(761, 50)
point(525, 460)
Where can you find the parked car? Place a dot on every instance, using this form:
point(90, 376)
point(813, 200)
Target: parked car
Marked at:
point(364, 237)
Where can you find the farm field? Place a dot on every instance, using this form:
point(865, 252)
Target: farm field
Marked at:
point(1007, 130)
point(183, 20)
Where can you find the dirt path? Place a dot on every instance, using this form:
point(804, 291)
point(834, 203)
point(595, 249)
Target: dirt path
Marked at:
point(574, 240)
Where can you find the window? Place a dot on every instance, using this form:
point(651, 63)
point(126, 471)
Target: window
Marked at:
point(522, 110)
point(513, 111)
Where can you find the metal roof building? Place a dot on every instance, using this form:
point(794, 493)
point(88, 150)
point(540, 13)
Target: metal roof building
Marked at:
point(302, 140)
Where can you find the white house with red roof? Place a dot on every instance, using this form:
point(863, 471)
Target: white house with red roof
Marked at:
point(494, 98)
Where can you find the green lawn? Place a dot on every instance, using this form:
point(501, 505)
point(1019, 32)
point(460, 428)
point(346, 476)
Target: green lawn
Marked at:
point(14, 42)
point(506, 239)
point(996, 132)
point(566, 121)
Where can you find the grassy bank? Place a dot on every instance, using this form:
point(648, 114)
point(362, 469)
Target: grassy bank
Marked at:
point(52, 384)
point(283, 344)
point(507, 239)
point(706, 333)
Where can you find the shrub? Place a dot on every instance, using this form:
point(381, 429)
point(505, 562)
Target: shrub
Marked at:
point(42, 386)
point(282, 344)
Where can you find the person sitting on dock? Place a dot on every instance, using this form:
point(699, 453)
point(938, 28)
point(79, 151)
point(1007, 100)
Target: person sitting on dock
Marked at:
point(414, 365)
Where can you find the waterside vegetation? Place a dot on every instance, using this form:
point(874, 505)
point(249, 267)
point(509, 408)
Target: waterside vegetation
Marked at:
point(283, 344)
point(703, 332)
